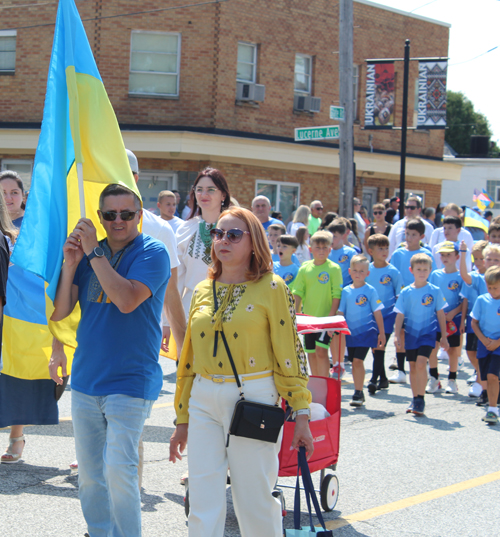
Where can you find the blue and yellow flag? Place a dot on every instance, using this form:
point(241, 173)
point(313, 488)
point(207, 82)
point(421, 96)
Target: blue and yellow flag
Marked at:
point(79, 126)
point(472, 219)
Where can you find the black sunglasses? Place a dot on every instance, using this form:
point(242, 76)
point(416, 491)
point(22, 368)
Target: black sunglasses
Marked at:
point(233, 235)
point(412, 207)
point(378, 212)
point(126, 216)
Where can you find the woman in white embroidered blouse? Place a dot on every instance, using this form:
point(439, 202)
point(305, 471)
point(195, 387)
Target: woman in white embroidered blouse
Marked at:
point(257, 315)
point(209, 197)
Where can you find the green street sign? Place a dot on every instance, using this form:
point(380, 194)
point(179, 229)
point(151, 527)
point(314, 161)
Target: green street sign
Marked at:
point(337, 112)
point(317, 133)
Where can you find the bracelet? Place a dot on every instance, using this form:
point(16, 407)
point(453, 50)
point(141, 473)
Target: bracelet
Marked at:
point(302, 411)
point(462, 250)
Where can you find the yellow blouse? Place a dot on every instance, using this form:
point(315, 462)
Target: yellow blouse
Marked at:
point(259, 325)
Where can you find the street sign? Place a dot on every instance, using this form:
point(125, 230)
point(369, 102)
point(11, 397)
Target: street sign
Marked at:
point(317, 133)
point(337, 112)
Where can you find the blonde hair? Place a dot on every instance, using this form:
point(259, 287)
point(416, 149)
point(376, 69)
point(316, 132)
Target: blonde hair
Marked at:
point(479, 246)
point(302, 214)
point(421, 259)
point(165, 194)
point(6, 225)
point(261, 262)
point(359, 259)
point(491, 249)
point(492, 275)
point(301, 235)
point(322, 236)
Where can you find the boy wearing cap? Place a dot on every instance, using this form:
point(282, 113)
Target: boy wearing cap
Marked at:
point(448, 279)
point(452, 225)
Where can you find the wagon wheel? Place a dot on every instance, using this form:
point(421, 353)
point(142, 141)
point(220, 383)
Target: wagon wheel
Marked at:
point(329, 492)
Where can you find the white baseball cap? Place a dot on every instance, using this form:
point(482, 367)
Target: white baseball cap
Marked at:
point(132, 160)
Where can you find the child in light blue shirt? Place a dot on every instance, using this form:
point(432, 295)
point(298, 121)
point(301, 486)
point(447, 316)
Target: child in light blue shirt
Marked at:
point(285, 248)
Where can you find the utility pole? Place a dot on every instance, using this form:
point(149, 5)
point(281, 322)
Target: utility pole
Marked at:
point(404, 128)
point(346, 142)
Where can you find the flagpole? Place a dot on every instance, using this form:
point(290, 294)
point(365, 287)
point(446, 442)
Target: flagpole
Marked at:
point(79, 172)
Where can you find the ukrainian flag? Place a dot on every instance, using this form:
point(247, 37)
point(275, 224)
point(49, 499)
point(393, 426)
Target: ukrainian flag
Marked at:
point(472, 219)
point(79, 127)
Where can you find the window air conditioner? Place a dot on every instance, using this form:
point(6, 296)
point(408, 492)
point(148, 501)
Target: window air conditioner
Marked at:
point(250, 92)
point(306, 103)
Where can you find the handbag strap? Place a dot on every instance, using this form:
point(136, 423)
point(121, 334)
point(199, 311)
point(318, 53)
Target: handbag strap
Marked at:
point(310, 494)
point(224, 340)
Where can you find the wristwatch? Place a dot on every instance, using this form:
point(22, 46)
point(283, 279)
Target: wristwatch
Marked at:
point(301, 411)
point(96, 252)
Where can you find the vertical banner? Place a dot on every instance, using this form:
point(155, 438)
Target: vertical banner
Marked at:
point(431, 106)
point(379, 107)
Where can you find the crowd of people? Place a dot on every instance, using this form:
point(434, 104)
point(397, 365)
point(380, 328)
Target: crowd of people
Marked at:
point(219, 288)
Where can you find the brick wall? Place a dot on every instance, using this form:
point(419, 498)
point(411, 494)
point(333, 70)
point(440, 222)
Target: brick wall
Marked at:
point(210, 34)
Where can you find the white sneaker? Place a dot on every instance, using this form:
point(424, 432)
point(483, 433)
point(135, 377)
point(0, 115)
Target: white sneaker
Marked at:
point(399, 377)
point(475, 390)
point(472, 379)
point(442, 354)
point(433, 385)
point(461, 361)
point(452, 387)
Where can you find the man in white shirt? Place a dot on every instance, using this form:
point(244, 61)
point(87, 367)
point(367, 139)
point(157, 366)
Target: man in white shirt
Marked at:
point(413, 208)
point(167, 205)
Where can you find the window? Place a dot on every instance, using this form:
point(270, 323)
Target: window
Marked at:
point(355, 91)
point(7, 51)
point(154, 64)
point(246, 67)
point(408, 193)
point(284, 197)
point(497, 197)
point(23, 167)
point(303, 73)
point(150, 184)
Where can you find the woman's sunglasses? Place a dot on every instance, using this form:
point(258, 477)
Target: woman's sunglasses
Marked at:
point(378, 212)
point(233, 235)
point(126, 216)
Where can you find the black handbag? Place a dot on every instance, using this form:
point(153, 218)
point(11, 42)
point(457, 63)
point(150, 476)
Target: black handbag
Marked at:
point(251, 420)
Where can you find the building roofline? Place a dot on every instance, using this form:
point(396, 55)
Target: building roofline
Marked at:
point(226, 132)
point(401, 12)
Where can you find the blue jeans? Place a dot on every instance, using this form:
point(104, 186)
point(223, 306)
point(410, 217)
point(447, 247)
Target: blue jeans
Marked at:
point(107, 432)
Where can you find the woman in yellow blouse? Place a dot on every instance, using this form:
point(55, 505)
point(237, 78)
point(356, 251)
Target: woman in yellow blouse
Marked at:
point(257, 314)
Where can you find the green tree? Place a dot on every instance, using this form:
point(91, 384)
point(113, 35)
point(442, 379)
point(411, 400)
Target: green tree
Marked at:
point(463, 122)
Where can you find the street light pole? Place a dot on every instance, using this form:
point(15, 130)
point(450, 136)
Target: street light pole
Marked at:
point(346, 143)
point(404, 127)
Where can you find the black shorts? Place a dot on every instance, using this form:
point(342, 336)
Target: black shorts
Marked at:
point(490, 364)
point(423, 350)
point(471, 342)
point(357, 352)
point(453, 340)
point(320, 339)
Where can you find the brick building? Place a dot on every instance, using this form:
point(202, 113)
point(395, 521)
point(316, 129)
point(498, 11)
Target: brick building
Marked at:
point(224, 84)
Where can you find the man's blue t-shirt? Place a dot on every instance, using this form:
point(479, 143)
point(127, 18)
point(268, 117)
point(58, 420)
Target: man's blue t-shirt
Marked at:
point(401, 259)
point(388, 283)
point(358, 306)
point(420, 306)
point(451, 287)
point(118, 352)
point(487, 312)
point(471, 294)
point(272, 221)
point(343, 257)
point(295, 259)
point(288, 273)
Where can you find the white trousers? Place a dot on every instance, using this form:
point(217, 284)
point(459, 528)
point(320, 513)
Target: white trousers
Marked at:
point(254, 464)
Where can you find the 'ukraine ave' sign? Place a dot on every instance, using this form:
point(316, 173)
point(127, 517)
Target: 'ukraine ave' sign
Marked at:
point(317, 133)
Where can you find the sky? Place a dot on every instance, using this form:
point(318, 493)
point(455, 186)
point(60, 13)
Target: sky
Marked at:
point(474, 31)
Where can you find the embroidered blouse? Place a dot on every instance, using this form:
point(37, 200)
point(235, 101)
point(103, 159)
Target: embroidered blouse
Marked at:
point(259, 324)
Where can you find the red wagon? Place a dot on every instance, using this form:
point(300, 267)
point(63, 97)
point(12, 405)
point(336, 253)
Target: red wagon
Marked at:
point(325, 432)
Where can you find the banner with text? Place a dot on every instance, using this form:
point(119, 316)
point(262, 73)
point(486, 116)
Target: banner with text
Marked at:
point(431, 105)
point(379, 108)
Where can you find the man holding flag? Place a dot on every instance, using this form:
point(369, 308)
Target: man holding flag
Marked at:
point(120, 284)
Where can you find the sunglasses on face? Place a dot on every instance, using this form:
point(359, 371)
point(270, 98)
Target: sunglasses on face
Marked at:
point(233, 235)
point(126, 216)
point(411, 207)
point(378, 212)
point(319, 208)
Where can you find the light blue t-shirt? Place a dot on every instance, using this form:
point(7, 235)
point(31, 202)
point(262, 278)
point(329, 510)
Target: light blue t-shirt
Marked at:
point(288, 273)
point(358, 306)
point(388, 283)
point(451, 287)
point(343, 257)
point(471, 294)
point(118, 352)
point(295, 259)
point(420, 307)
point(401, 259)
point(271, 220)
point(487, 312)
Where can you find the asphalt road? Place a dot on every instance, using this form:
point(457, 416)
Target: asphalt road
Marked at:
point(400, 475)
